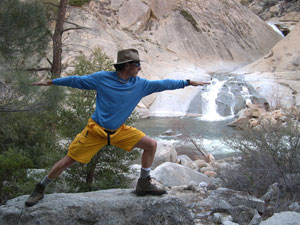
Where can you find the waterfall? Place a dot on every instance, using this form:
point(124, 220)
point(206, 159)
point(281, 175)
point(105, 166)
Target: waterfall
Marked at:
point(226, 97)
point(209, 107)
point(275, 28)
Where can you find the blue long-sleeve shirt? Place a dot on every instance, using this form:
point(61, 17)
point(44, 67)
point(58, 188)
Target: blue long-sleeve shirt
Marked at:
point(115, 100)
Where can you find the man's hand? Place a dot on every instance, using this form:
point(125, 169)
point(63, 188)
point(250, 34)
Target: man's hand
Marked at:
point(198, 83)
point(42, 83)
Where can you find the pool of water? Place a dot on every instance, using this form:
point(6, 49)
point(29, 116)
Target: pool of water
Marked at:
point(209, 134)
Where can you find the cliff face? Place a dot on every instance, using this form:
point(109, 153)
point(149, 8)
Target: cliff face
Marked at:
point(276, 75)
point(213, 35)
point(176, 39)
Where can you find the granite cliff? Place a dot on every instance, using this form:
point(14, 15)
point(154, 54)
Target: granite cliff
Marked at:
point(276, 75)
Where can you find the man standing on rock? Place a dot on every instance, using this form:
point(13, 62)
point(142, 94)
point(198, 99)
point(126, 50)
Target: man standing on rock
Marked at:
point(118, 93)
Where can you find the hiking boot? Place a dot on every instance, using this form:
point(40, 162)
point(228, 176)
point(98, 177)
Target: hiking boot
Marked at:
point(36, 195)
point(144, 186)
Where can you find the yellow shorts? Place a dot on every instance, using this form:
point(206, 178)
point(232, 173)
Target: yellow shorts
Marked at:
point(93, 137)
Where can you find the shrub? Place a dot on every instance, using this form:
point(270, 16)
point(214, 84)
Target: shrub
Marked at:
point(269, 3)
point(246, 2)
point(33, 134)
point(188, 16)
point(78, 2)
point(13, 180)
point(268, 155)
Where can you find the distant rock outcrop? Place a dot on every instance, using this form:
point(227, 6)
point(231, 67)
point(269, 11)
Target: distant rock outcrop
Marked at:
point(276, 75)
point(110, 207)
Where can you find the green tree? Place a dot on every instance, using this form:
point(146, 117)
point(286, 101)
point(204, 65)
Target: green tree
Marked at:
point(23, 30)
point(24, 38)
point(107, 167)
point(28, 138)
point(13, 173)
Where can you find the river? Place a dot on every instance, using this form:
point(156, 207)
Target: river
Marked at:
point(210, 134)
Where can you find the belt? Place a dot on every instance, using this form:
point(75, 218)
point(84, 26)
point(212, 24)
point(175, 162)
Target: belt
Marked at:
point(109, 132)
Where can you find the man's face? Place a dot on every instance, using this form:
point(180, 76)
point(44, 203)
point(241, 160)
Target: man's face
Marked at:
point(134, 68)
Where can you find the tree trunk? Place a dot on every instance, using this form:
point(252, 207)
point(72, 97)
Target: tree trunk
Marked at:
point(90, 173)
point(57, 39)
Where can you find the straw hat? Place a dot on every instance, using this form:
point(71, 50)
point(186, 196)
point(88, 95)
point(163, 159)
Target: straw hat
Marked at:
point(127, 55)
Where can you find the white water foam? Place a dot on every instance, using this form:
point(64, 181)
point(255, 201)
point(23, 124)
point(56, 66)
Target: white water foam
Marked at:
point(275, 28)
point(209, 110)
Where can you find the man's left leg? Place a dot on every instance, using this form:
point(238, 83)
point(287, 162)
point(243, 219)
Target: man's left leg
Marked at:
point(144, 185)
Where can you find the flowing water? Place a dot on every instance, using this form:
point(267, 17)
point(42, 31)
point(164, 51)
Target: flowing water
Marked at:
point(210, 134)
point(209, 130)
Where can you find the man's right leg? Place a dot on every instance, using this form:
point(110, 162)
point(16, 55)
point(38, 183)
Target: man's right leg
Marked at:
point(85, 145)
point(57, 169)
point(60, 166)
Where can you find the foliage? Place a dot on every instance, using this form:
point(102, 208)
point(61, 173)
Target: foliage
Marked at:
point(246, 2)
point(78, 2)
point(28, 141)
point(24, 37)
point(268, 155)
point(23, 32)
point(17, 94)
point(270, 3)
point(13, 165)
point(28, 136)
point(106, 168)
point(197, 146)
point(51, 8)
point(188, 16)
point(33, 134)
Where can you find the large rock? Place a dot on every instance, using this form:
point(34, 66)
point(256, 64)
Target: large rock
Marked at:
point(286, 218)
point(231, 198)
point(133, 15)
point(172, 174)
point(110, 207)
point(165, 152)
point(241, 206)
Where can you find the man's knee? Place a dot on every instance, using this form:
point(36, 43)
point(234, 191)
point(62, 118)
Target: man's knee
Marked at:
point(147, 144)
point(153, 145)
point(65, 162)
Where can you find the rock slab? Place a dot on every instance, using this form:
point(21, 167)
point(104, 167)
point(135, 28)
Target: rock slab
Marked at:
point(173, 174)
point(286, 218)
point(110, 207)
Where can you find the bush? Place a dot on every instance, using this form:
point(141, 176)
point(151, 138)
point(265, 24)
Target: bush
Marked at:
point(78, 2)
point(33, 134)
point(188, 16)
point(269, 3)
point(13, 179)
point(246, 2)
point(268, 155)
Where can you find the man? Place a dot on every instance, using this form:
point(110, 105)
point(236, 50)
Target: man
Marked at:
point(118, 93)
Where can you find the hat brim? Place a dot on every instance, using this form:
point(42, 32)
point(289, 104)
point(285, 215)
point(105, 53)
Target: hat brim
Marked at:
point(126, 61)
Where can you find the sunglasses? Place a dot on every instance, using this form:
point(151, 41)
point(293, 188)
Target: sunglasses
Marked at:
point(137, 64)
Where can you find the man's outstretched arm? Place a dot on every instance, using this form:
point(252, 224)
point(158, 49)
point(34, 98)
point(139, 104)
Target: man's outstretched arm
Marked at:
point(43, 83)
point(198, 83)
point(169, 84)
point(88, 82)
